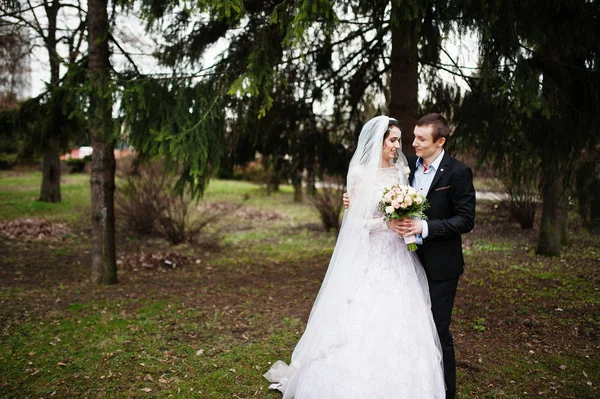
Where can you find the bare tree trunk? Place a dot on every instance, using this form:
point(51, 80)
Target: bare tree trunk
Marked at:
point(104, 268)
point(50, 190)
point(311, 188)
point(549, 242)
point(404, 84)
point(564, 220)
point(552, 171)
point(297, 183)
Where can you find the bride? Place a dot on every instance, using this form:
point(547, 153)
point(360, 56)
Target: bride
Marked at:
point(370, 333)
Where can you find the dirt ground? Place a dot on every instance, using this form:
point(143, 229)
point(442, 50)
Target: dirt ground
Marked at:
point(511, 303)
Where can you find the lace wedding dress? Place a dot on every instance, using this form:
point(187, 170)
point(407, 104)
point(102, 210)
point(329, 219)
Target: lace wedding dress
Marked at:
point(379, 340)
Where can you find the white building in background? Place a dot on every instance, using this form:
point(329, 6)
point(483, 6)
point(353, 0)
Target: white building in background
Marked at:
point(85, 151)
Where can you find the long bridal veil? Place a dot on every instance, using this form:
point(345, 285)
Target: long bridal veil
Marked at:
point(344, 271)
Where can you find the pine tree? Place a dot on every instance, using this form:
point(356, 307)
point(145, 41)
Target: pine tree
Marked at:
point(540, 76)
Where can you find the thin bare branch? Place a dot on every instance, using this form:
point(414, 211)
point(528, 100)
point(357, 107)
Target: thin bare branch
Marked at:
point(40, 30)
point(17, 13)
point(125, 53)
point(460, 71)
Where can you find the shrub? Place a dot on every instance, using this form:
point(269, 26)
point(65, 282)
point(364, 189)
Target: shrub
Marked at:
point(521, 184)
point(147, 204)
point(328, 202)
point(181, 220)
point(7, 161)
point(138, 202)
point(522, 209)
point(77, 165)
point(254, 172)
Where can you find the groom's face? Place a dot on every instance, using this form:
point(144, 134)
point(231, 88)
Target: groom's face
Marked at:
point(423, 143)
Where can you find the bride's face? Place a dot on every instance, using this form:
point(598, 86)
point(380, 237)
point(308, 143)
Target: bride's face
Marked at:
point(391, 144)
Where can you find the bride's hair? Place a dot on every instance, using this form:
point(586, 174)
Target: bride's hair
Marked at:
point(393, 123)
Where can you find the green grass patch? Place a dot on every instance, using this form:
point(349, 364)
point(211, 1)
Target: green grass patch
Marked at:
point(19, 195)
point(525, 325)
point(100, 351)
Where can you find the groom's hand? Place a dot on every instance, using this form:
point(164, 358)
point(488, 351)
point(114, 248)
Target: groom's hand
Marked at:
point(409, 227)
point(346, 200)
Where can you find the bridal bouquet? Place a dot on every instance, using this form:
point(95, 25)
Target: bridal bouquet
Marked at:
point(400, 202)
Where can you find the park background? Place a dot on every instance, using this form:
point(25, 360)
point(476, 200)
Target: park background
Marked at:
point(182, 257)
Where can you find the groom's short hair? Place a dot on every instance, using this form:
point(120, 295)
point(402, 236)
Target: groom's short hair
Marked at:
point(439, 125)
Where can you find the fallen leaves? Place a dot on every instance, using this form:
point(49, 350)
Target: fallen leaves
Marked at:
point(245, 212)
point(154, 260)
point(33, 230)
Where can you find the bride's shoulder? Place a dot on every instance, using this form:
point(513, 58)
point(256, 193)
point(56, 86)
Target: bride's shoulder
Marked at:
point(357, 170)
point(360, 168)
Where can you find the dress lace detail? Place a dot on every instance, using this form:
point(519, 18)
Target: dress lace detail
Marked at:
point(386, 178)
point(382, 342)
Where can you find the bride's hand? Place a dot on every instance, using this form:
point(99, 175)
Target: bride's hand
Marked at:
point(410, 227)
point(346, 200)
point(394, 225)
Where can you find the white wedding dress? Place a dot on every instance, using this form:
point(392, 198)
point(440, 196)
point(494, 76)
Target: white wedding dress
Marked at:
point(380, 340)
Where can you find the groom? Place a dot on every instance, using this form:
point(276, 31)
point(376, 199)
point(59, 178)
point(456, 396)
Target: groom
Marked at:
point(448, 185)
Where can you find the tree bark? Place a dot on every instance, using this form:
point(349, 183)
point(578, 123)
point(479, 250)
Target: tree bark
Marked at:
point(404, 84)
point(297, 184)
point(549, 242)
point(104, 268)
point(564, 220)
point(50, 190)
point(553, 171)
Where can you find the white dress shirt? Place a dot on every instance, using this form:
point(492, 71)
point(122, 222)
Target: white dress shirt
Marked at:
point(422, 181)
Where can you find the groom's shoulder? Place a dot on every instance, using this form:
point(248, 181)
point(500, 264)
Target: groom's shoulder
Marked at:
point(411, 159)
point(457, 165)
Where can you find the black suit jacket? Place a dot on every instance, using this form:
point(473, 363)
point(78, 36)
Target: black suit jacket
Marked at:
point(451, 213)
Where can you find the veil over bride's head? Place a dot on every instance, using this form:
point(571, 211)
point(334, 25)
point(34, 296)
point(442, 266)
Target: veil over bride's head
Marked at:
point(370, 142)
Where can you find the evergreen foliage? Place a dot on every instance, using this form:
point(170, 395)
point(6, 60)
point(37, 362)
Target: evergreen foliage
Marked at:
point(320, 67)
point(537, 95)
point(181, 123)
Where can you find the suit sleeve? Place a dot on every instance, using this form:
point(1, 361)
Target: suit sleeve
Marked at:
point(462, 218)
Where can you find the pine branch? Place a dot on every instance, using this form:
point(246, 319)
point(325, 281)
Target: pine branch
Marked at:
point(554, 62)
point(163, 77)
point(126, 54)
point(74, 49)
point(335, 76)
point(460, 72)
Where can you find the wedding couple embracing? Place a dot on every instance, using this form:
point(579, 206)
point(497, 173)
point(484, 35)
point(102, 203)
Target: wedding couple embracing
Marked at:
point(379, 327)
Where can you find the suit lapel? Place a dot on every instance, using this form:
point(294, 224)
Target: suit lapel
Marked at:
point(412, 166)
point(439, 173)
point(411, 176)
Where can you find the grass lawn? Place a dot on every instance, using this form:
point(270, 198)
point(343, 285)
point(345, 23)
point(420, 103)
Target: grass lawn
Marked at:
point(524, 325)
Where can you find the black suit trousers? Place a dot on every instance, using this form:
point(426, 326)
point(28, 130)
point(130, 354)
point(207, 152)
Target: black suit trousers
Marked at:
point(442, 300)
